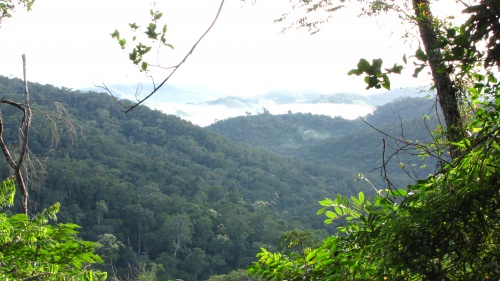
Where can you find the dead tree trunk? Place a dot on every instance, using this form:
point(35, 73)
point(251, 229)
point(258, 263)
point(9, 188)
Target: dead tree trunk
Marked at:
point(16, 164)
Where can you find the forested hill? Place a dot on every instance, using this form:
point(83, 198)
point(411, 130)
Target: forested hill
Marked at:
point(354, 144)
point(156, 190)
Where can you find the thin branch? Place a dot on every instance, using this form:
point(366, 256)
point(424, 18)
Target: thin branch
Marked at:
point(175, 68)
point(384, 168)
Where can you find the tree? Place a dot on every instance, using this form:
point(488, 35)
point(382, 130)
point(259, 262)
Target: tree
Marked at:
point(109, 247)
point(7, 7)
point(139, 220)
point(448, 92)
point(35, 249)
point(139, 53)
point(447, 49)
point(101, 208)
point(22, 151)
point(15, 149)
point(444, 227)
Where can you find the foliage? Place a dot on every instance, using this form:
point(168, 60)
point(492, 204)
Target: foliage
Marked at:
point(235, 275)
point(442, 228)
point(350, 144)
point(155, 38)
point(34, 249)
point(154, 189)
point(446, 226)
point(153, 32)
point(7, 7)
point(375, 78)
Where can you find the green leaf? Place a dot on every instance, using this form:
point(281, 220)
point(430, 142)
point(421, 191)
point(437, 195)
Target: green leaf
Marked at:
point(115, 34)
point(342, 229)
point(395, 69)
point(338, 210)
point(331, 215)
point(372, 82)
point(122, 42)
point(361, 197)
point(363, 65)
point(7, 192)
point(398, 193)
point(440, 43)
point(418, 70)
point(420, 55)
point(151, 31)
point(144, 66)
point(376, 66)
point(158, 15)
point(133, 26)
point(355, 72)
point(387, 83)
point(326, 202)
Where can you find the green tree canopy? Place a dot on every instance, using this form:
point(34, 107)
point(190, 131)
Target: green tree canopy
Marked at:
point(446, 226)
point(38, 249)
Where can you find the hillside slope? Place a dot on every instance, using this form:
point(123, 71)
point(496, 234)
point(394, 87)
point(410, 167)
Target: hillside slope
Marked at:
point(353, 144)
point(154, 189)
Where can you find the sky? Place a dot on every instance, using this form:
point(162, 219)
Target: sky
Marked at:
point(68, 44)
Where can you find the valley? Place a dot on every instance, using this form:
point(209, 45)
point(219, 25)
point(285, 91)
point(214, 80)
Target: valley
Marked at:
point(156, 190)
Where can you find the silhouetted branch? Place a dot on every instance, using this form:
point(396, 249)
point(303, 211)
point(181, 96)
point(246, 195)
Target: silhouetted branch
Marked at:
point(175, 68)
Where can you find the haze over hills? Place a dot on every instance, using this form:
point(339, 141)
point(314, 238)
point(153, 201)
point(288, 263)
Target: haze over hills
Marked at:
point(203, 106)
point(355, 144)
point(157, 190)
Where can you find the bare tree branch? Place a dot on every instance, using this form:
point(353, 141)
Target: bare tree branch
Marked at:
point(175, 68)
point(17, 165)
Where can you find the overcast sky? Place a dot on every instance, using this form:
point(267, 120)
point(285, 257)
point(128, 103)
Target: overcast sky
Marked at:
point(68, 43)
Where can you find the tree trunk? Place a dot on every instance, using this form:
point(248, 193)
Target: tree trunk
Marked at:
point(447, 92)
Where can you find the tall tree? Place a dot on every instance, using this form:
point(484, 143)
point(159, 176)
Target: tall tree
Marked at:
point(444, 227)
point(447, 49)
point(447, 91)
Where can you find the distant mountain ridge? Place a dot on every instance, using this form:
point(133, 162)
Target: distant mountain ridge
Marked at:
point(337, 141)
point(171, 193)
point(310, 97)
point(174, 194)
point(203, 106)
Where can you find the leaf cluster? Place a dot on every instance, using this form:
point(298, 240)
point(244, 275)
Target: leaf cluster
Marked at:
point(155, 36)
point(8, 6)
point(375, 78)
point(441, 228)
point(34, 249)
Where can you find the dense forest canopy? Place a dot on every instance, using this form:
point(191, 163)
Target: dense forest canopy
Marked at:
point(158, 192)
point(160, 195)
point(444, 227)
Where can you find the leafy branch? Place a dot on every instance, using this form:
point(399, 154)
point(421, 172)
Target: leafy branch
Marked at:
point(140, 50)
